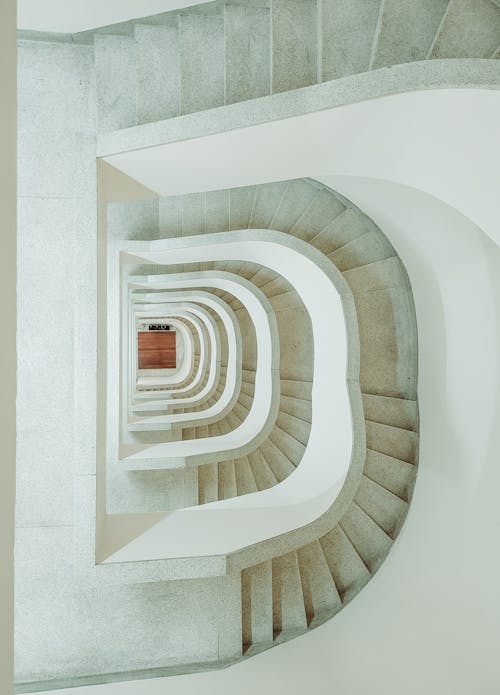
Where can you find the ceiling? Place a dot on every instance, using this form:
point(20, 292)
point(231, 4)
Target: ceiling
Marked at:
point(72, 16)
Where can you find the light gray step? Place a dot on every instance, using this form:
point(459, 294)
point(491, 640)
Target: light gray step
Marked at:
point(248, 389)
point(262, 276)
point(245, 482)
point(392, 441)
point(170, 217)
point(278, 462)
point(288, 444)
point(225, 425)
point(208, 483)
point(193, 214)
point(217, 211)
point(367, 248)
point(388, 342)
point(115, 81)
point(298, 407)
point(294, 27)
point(296, 198)
point(346, 566)
point(226, 480)
point(247, 52)
point(470, 29)
point(267, 201)
point(245, 400)
point(370, 541)
point(189, 433)
point(276, 286)
point(240, 207)
point(407, 30)
point(201, 431)
point(346, 227)
point(393, 474)
point(385, 508)
point(248, 375)
point(289, 617)
point(257, 606)
point(294, 426)
point(496, 54)
point(321, 598)
point(214, 429)
point(376, 276)
point(397, 412)
point(240, 411)
point(296, 389)
point(191, 485)
point(321, 211)
point(262, 473)
point(285, 301)
point(348, 31)
point(158, 72)
point(201, 40)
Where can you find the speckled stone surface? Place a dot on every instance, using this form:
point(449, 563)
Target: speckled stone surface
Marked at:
point(348, 28)
point(115, 64)
point(407, 31)
point(247, 52)
point(158, 72)
point(294, 27)
point(471, 28)
point(435, 74)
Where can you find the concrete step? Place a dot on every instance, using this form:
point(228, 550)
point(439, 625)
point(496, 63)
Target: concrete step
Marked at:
point(395, 475)
point(262, 472)
point(296, 198)
point(247, 52)
point(470, 29)
point(267, 200)
point(294, 36)
point(257, 607)
point(397, 412)
point(406, 31)
point(245, 481)
point(208, 483)
point(321, 598)
point(348, 31)
point(278, 462)
point(385, 508)
point(288, 444)
point(115, 70)
point(158, 72)
point(392, 441)
point(226, 480)
point(367, 248)
point(289, 616)
point(346, 566)
point(322, 211)
point(201, 40)
point(369, 539)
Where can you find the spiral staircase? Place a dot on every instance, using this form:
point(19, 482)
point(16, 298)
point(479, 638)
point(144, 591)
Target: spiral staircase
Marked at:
point(272, 472)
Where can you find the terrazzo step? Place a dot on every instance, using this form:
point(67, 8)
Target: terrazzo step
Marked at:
point(245, 481)
point(407, 30)
point(158, 72)
point(201, 42)
point(392, 441)
point(289, 616)
point(385, 508)
point(294, 37)
point(469, 30)
point(262, 472)
point(347, 568)
point(257, 607)
point(369, 539)
point(321, 598)
point(278, 462)
point(395, 475)
point(226, 480)
point(397, 412)
point(208, 483)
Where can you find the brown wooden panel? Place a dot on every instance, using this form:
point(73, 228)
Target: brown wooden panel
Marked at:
point(156, 350)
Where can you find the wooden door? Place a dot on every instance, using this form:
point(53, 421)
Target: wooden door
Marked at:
point(157, 350)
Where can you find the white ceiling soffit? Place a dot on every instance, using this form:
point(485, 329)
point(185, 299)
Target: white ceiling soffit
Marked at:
point(72, 16)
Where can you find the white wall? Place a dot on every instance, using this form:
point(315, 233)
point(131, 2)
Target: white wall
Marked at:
point(8, 343)
point(79, 15)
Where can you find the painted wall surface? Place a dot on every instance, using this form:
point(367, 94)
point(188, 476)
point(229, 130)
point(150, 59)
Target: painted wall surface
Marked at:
point(8, 342)
point(79, 15)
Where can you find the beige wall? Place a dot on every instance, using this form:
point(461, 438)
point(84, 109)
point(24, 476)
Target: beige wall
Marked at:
point(8, 343)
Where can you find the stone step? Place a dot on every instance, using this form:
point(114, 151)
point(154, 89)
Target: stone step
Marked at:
point(257, 606)
point(370, 540)
point(406, 31)
point(469, 30)
point(289, 616)
point(345, 563)
point(395, 475)
point(321, 598)
point(294, 37)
